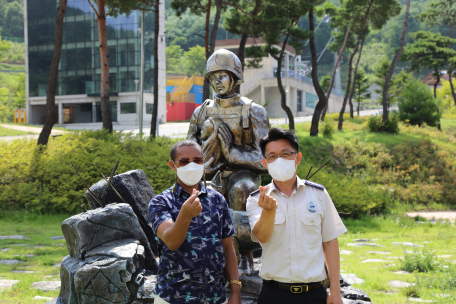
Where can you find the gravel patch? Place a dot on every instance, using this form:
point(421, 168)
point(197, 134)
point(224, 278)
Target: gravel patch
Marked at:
point(10, 262)
point(399, 284)
point(380, 252)
point(47, 285)
point(373, 261)
point(13, 237)
point(4, 284)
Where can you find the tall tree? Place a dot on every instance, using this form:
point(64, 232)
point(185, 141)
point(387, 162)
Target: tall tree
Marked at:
point(103, 9)
point(430, 51)
point(155, 7)
point(361, 91)
point(380, 75)
point(52, 78)
point(393, 64)
point(358, 14)
point(322, 100)
point(442, 12)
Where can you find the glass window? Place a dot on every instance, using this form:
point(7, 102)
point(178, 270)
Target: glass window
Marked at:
point(149, 108)
point(311, 100)
point(128, 108)
point(299, 101)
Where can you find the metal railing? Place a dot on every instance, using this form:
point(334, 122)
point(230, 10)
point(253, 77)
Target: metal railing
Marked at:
point(13, 39)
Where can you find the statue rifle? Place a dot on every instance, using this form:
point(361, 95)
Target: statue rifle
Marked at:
point(90, 192)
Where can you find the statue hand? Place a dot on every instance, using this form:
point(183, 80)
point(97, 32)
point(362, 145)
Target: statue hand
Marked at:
point(226, 140)
point(209, 147)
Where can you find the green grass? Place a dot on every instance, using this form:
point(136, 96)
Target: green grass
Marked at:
point(40, 127)
point(438, 238)
point(448, 124)
point(9, 132)
point(39, 228)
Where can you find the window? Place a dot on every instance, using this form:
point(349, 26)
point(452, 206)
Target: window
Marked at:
point(311, 100)
point(299, 101)
point(149, 108)
point(128, 108)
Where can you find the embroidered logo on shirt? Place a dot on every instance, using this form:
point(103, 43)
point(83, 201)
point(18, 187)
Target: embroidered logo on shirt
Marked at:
point(312, 207)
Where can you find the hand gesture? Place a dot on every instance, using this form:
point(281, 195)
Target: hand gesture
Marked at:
point(265, 201)
point(226, 140)
point(192, 206)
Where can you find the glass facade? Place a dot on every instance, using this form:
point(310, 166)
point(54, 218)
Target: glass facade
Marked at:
point(299, 101)
point(311, 100)
point(79, 69)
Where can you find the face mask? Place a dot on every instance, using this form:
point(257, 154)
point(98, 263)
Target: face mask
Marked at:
point(281, 169)
point(190, 174)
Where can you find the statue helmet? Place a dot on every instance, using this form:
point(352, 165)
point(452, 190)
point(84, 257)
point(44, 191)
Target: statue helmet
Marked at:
point(224, 60)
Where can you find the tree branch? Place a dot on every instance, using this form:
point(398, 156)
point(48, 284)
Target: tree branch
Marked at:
point(94, 9)
point(246, 13)
point(199, 36)
point(202, 7)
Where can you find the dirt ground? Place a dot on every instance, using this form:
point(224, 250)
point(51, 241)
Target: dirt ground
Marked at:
point(435, 215)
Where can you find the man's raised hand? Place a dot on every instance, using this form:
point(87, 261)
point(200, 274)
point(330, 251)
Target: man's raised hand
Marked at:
point(265, 201)
point(192, 206)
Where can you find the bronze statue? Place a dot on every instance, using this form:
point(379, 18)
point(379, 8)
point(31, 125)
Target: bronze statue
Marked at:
point(229, 129)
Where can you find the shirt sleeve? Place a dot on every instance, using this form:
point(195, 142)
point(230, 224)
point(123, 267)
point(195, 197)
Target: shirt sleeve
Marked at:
point(159, 212)
point(227, 222)
point(254, 213)
point(332, 225)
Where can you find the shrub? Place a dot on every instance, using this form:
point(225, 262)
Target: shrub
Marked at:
point(417, 105)
point(328, 128)
point(45, 180)
point(375, 124)
point(424, 261)
point(335, 116)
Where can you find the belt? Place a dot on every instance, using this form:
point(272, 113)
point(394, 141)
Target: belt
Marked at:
point(294, 287)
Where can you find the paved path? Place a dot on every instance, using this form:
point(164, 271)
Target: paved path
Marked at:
point(171, 129)
point(30, 129)
point(436, 215)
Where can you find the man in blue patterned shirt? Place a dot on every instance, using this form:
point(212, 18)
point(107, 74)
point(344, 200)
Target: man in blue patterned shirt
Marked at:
point(194, 229)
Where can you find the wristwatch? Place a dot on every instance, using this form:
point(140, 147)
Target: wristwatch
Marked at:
point(236, 282)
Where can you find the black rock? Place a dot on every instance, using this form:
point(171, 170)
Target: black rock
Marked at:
point(353, 293)
point(135, 190)
point(86, 231)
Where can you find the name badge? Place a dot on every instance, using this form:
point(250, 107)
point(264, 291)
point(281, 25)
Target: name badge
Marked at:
point(312, 207)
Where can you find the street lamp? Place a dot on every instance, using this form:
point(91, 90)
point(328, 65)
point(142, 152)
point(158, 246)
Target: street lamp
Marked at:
point(136, 90)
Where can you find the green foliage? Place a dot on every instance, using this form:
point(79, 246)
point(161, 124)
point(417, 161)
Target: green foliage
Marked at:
point(362, 85)
point(195, 61)
point(12, 18)
point(173, 59)
point(12, 95)
point(424, 261)
point(325, 82)
point(375, 124)
point(4, 46)
point(43, 178)
point(417, 105)
point(328, 128)
point(380, 72)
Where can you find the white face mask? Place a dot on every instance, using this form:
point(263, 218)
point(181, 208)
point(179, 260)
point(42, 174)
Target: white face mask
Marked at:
point(190, 174)
point(281, 169)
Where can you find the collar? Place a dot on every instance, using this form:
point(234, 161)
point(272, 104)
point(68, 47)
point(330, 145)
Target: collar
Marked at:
point(299, 183)
point(179, 190)
point(227, 102)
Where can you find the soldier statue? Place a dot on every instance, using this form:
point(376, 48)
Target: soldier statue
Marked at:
point(229, 128)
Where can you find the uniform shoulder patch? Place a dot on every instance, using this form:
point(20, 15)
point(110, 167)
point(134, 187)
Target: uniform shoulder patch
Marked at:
point(314, 185)
point(255, 192)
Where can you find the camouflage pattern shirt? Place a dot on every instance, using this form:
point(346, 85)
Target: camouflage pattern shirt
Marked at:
point(194, 272)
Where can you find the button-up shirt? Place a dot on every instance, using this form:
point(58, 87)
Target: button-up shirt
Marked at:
point(303, 221)
point(194, 272)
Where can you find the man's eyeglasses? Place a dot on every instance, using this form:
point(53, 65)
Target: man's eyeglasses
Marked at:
point(185, 161)
point(285, 155)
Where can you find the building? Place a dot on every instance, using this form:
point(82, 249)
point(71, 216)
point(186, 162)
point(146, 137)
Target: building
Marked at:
point(260, 84)
point(430, 80)
point(183, 95)
point(78, 84)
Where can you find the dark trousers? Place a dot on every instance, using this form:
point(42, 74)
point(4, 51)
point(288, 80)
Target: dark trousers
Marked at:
point(271, 295)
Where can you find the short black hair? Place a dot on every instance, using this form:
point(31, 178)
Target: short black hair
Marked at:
point(181, 143)
point(278, 133)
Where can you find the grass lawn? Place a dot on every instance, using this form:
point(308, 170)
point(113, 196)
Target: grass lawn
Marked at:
point(40, 127)
point(440, 238)
point(448, 124)
point(10, 132)
point(12, 67)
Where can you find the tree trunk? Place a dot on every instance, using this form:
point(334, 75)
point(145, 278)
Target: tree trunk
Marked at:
point(333, 74)
point(53, 72)
point(347, 93)
point(241, 57)
point(104, 59)
point(435, 94)
point(393, 65)
point(354, 79)
point(283, 96)
point(206, 47)
point(322, 102)
point(153, 123)
point(450, 75)
point(341, 116)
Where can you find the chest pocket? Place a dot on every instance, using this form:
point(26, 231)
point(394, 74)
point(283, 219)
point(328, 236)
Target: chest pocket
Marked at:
point(311, 228)
point(278, 236)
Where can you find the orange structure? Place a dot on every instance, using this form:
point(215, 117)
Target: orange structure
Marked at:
point(19, 116)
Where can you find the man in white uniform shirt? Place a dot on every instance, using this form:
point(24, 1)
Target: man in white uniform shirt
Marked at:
point(297, 225)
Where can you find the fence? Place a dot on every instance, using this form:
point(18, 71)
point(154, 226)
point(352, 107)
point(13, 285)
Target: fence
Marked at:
point(13, 39)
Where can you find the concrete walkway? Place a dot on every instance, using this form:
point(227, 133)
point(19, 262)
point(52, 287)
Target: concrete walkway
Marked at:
point(30, 129)
point(435, 215)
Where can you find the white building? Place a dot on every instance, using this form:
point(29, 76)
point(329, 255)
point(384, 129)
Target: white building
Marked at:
point(261, 86)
